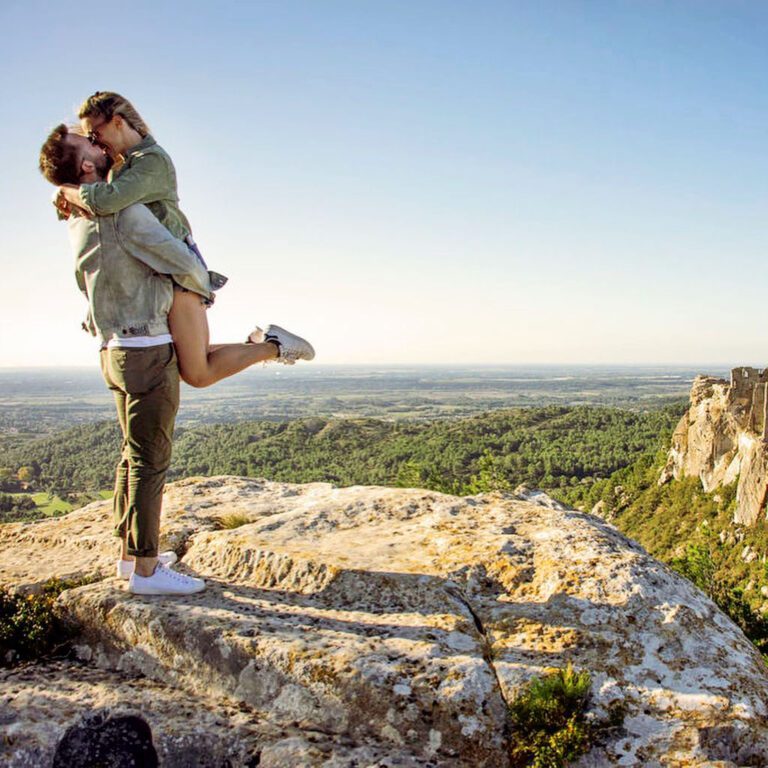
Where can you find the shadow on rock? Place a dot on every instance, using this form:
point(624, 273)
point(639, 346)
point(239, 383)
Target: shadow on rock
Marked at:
point(101, 739)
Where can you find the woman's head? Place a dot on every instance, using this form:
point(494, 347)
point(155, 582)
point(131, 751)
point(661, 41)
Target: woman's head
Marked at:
point(112, 121)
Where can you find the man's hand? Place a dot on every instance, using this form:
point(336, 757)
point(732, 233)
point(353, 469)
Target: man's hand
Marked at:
point(68, 201)
point(63, 211)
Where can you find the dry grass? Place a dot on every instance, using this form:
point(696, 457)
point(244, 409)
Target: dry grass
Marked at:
point(232, 520)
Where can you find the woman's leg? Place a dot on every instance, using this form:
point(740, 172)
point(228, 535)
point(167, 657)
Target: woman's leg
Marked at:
point(200, 363)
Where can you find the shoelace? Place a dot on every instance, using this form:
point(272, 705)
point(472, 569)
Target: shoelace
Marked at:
point(174, 574)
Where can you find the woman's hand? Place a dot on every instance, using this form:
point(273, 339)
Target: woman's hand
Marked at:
point(68, 201)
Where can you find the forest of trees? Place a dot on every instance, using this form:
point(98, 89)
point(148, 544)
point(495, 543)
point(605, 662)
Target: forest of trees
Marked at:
point(555, 448)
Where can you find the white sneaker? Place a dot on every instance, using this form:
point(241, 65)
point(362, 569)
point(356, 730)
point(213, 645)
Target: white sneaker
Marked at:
point(292, 347)
point(125, 567)
point(165, 581)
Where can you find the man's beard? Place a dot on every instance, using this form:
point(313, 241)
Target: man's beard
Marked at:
point(103, 164)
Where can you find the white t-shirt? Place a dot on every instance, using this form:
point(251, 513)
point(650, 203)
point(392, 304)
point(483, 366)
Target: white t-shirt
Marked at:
point(139, 342)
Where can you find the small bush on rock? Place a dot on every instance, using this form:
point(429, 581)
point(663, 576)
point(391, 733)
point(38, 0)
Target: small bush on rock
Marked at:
point(549, 728)
point(30, 626)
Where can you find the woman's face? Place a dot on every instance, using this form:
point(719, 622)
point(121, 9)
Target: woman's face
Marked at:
point(108, 134)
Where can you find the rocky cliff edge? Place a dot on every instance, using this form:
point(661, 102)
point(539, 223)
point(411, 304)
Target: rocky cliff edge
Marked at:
point(722, 439)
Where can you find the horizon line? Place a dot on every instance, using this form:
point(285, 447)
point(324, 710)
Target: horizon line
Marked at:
point(715, 364)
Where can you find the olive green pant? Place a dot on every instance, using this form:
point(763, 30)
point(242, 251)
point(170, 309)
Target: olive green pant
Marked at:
point(145, 385)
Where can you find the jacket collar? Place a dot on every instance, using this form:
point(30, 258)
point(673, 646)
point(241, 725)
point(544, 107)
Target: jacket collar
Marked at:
point(145, 143)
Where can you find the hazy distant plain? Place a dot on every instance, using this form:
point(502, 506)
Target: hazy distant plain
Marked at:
point(36, 401)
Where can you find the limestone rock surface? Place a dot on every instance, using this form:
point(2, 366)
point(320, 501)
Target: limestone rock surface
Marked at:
point(40, 703)
point(373, 626)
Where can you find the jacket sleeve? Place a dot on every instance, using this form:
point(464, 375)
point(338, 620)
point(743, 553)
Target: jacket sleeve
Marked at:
point(142, 236)
point(144, 181)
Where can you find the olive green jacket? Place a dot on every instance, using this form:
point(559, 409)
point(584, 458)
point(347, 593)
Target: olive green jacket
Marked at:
point(126, 265)
point(147, 176)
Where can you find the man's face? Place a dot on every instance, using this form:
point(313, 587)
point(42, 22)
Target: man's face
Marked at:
point(89, 154)
point(101, 132)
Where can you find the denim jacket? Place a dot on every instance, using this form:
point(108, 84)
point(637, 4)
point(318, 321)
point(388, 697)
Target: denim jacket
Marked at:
point(124, 264)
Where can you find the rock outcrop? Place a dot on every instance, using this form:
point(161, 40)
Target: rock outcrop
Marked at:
point(376, 627)
point(722, 439)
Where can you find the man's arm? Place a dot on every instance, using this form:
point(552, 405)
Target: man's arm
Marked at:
point(144, 181)
point(142, 236)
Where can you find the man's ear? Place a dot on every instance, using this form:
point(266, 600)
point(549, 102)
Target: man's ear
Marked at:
point(86, 167)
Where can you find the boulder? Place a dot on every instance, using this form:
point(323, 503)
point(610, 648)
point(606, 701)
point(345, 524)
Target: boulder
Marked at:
point(378, 626)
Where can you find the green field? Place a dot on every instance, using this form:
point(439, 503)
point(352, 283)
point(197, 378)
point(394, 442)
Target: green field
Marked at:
point(46, 504)
point(49, 506)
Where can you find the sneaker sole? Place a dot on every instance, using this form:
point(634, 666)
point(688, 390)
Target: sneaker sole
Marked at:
point(150, 591)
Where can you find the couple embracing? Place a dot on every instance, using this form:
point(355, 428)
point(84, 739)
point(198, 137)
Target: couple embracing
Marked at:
point(148, 291)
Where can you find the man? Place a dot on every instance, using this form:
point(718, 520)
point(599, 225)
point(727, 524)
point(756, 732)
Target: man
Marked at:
point(123, 266)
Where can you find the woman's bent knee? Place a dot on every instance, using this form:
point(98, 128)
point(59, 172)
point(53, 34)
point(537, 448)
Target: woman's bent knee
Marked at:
point(196, 380)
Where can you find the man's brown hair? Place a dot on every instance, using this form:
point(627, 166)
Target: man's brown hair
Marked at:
point(59, 160)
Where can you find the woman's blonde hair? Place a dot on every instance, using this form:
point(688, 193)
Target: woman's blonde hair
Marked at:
point(107, 104)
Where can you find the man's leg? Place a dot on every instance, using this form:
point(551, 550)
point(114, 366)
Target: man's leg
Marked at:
point(150, 379)
point(120, 497)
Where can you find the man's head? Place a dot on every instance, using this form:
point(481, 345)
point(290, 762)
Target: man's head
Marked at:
point(67, 157)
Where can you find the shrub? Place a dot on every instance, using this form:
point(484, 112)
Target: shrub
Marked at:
point(30, 625)
point(699, 566)
point(10, 503)
point(549, 727)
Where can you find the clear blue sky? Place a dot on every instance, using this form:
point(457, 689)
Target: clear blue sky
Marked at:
point(480, 182)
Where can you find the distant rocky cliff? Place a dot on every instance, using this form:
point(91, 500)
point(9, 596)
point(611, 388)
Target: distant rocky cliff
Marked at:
point(376, 627)
point(722, 439)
